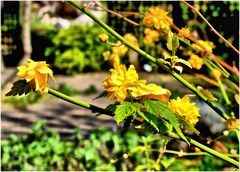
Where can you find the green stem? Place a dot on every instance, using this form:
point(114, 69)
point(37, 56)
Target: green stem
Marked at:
point(170, 134)
point(151, 58)
point(147, 155)
point(78, 102)
point(207, 149)
point(225, 96)
point(193, 153)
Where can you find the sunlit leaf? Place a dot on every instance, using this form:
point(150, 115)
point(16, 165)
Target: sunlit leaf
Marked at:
point(179, 68)
point(169, 41)
point(172, 42)
point(150, 118)
point(161, 109)
point(167, 162)
point(184, 62)
point(126, 109)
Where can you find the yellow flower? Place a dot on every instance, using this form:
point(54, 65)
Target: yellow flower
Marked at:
point(103, 37)
point(120, 50)
point(186, 109)
point(141, 90)
point(158, 18)
point(106, 55)
point(111, 58)
point(233, 123)
point(151, 36)
point(185, 32)
point(37, 74)
point(123, 84)
point(132, 39)
point(118, 82)
point(195, 61)
point(207, 44)
point(216, 73)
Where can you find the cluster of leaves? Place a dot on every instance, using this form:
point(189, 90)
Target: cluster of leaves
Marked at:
point(23, 101)
point(77, 49)
point(105, 150)
point(171, 61)
point(156, 114)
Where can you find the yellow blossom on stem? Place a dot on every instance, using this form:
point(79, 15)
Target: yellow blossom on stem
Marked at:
point(216, 73)
point(37, 74)
point(111, 58)
point(123, 84)
point(151, 36)
point(185, 108)
point(185, 32)
point(132, 39)
point(158, 18)
point(119, 80)
point(103, 37)
point(207, 44)
point(195, 61)
point(120, 50)
point(141, 90)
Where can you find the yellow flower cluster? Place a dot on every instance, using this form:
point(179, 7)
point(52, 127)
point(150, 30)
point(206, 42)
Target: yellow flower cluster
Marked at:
point(132, 39)
point(207, 44)
point(195, 61)
point(158, 18)
point(151, 36)
point(185, 32)
point(123, 84)
point(120, 50)
point(37, 74)
point(185, 108)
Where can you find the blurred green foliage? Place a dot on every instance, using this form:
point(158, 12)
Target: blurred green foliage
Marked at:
point(104, 150)
point(77, 49)
point(23, 101)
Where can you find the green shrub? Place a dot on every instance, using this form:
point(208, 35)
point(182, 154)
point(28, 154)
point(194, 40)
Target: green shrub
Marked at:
point(76, 49)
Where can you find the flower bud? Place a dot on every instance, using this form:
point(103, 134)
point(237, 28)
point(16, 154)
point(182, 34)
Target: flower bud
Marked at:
point(103, 37)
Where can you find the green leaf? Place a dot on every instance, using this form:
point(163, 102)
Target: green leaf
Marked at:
point(175, 42)
point(184, 62)
point(150, 118)
point(20, 87)
point(172, 42)
point(179, 68)
point(185, 124)
point(126, 109)
point(161, 109)
point(141, 167)
point(167, 162)
point(169, 41)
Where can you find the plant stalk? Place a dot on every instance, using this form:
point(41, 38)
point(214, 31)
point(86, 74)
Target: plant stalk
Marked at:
point(148, 56)
point(79, 102)
point(207, 149)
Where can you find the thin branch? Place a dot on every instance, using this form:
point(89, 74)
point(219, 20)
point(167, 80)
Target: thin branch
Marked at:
point(161, 152)
point(117, 14)
point(212, 28)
